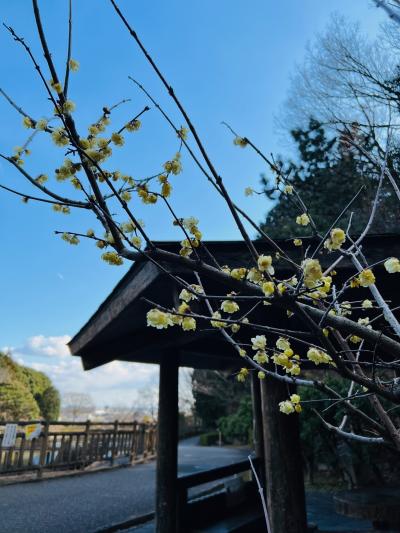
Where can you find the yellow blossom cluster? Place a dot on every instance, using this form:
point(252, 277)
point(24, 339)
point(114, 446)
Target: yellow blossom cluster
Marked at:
point(70, 238)
point(318, 356)
point(303, 220)
point(336, 239)
point(366, 278)
point(242, 375)
point(229, 306)
point(133, 125)
point(392, 265)
point(286, 357)
point(174, 166)
point(64, 209)
point(240, 141)
point(112, 258)
point(312, 272)
point(290, 406)
point(158, 319)
point(187, 296)
point(265, 264)
point(191, 225)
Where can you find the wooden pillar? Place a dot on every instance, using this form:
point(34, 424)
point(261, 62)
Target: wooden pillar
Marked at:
point(283, 462)
point(167, 446)
point(257, 416)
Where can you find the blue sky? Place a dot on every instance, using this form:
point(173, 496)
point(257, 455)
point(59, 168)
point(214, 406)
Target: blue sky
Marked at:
point(227, 60)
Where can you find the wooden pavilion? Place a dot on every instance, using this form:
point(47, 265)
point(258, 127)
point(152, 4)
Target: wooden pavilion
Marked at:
point(118, 331)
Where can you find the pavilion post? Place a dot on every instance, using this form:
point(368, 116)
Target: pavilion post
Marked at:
point(283, 462)
point(167, 446)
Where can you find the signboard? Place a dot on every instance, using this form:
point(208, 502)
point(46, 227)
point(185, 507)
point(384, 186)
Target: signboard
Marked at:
point(10, 435)
point(33, 431)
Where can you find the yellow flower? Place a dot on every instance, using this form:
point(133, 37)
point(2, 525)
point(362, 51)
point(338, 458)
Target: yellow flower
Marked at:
point(303, 220)
point(281, 288)
point(183, 133)
point(283, 344)
point(117, 139)
point(261, 357)
point(158, 319)
point(265, 264)
point(166, 189)
point(235, 328)
point(254, 275)
point(71, 239)
point(295, 398)
point(366, 278)
point(312, 272)
point(217, 323)
point(297, 242)
point(337, 238)
point(242, 352)
point(268, 288)
point(64, 209)
point(286, 407)
point(42, 178)
point(249, 191)
point(187, 296)
point(56, 86)
point(188, 324)
point(355, 340)
point(174, 166)
point(229, 306)
point(240, 141)
point(68, 107)
point(59, 137)
point(242, 374)
point(238, 273)
point(259, 342)
point(288, 189)
point(367, 304)
point(318, 356)
point(261, 375)
point(136, 241)
point(126, 196)
point(27, 122)
point(112, 258)
point(41, 124)
point(73, 65)
point(392, 265)
point(133, 125)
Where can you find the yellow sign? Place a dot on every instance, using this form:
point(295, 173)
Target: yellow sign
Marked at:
point(32, 431)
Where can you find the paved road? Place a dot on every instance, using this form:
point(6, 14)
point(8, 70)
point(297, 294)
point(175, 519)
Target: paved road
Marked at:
point(84, 504)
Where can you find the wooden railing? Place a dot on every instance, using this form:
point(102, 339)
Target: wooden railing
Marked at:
point(188, 481)
point(68, 445)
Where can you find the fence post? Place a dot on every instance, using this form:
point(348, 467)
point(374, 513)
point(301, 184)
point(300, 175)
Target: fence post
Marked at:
point(133, 443)
point(114, 444)
point(84, 458)
point(43, 449)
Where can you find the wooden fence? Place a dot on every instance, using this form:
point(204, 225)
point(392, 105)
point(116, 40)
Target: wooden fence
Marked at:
point(69, 445)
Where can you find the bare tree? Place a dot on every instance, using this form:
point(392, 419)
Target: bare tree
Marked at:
point(77, 406)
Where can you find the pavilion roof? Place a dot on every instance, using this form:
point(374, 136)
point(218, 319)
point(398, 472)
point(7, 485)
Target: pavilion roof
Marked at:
point(117, 330)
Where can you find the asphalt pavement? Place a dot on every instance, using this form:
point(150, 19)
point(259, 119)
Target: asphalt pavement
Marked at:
point(87, 503)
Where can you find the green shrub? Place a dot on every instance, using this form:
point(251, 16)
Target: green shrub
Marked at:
point(237, 427)
point(209, 439)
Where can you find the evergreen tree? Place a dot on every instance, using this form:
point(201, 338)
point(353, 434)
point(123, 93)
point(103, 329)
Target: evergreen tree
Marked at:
point(328, 175)
point(26, 393)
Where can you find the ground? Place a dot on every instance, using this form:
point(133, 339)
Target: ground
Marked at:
point(91, 502)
